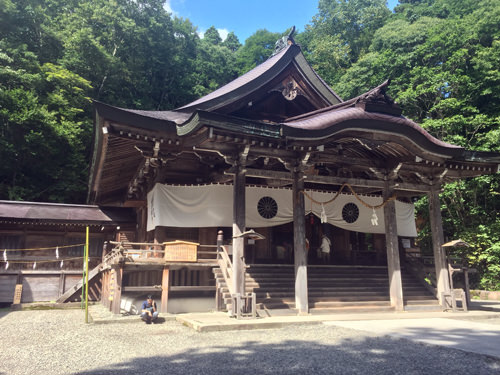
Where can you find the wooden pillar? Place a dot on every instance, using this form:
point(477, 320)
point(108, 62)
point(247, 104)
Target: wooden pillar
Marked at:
point(392, 245)
point(117, 295)
point(238, 228)
point(299, 243)
point(165, 286)
point(442, 274)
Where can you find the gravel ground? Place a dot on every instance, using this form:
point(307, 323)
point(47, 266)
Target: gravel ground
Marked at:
point(59, 342)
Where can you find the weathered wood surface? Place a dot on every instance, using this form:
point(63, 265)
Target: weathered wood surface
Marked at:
point(40, 288)
point(392, 245)
point(117, 290)
point(238, 228)
point(7, 287)
point(165, 285)
point(442, 275)
point(299, 240)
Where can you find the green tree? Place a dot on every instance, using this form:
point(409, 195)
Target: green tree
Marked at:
point(232, 42)
point(257, 49)
point(212, 36)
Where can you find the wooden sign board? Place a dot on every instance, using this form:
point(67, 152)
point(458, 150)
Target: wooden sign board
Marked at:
point(17, 294)
point(181, 251)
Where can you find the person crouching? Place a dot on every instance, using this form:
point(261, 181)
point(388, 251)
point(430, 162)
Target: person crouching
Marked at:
point(149, 312)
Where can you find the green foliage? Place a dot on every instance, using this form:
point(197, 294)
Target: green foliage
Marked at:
point(57, 54)
point(232, 42)
point(257, 49)
point(212, 36)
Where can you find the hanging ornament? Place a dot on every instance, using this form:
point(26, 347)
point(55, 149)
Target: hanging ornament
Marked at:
point(5, 255)
point(7, 265)
point(311, 219)
point(323, 214)
point(374, 219)
point(34, 265)
point(57, 252)
point(62, 263)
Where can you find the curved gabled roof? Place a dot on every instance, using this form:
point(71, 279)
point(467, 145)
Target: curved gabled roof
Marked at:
point(331, 123)
point(251, 81)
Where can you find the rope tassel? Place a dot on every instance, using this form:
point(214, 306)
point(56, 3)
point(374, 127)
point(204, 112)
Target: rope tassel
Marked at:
point(323, 217)
point(34, 265)
point(374, 219)
point(57, 252)
point(5, 255)
point(7, 265)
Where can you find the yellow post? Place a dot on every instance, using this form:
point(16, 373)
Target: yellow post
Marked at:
point(87, 277)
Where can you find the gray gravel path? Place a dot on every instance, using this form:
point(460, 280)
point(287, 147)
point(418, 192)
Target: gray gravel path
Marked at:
point(59, 342)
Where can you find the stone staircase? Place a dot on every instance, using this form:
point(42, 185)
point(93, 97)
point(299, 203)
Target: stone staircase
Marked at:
point(331, 289)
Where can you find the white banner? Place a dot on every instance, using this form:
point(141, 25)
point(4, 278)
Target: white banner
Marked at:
point(212, 206)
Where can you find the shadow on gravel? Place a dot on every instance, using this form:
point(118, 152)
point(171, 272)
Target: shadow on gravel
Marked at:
point(380, 355)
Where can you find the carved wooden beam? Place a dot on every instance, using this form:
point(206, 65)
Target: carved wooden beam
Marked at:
point(358, 182)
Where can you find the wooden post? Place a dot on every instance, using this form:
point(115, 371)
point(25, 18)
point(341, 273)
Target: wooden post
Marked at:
point(442, 274)
point(392, 246)
point(218, 291)
point(238, 228)
point(117, 295)
point(299, 242)
point(62, 282)
point(165, 285)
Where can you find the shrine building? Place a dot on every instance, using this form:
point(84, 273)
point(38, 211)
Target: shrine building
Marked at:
point(234, 195)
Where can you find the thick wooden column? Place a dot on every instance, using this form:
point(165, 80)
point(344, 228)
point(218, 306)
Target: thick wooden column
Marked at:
point(238, 228)
point(117, 290)
point(299, 243)
point(165, 285)
point(392, 246)
point(442, 274)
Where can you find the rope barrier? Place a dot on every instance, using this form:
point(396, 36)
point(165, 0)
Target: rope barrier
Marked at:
point(46, 260)
point(391, 198)
point(46, 248)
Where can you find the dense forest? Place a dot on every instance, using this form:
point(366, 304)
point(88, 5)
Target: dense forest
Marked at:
point(442, 56)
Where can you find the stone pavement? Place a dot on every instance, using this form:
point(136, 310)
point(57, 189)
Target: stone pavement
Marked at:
point(470, 336)
point(476, 331)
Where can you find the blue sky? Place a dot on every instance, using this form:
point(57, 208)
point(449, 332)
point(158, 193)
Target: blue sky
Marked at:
point(246, 17)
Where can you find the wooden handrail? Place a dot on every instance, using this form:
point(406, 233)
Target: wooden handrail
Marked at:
point(226, 267)
point(135, 243)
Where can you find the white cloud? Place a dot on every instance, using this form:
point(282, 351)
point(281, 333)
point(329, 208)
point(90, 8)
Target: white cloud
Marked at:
point(223, 33)
point(168, 8)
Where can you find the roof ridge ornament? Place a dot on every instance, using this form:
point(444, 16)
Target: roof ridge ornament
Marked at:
point(284, 42)
point(377, 100)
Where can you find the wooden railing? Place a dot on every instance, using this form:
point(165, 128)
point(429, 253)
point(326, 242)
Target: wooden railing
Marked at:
point(156, 251)
point(226, 266)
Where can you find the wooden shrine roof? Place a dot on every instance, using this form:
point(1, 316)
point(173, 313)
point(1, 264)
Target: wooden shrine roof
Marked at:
point(13, 211)
point(279, 113)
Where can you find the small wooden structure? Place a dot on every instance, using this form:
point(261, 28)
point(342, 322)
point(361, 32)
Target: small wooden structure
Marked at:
point(43, 245)
point(451, 298)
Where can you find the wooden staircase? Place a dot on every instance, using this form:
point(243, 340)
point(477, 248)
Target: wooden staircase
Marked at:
point(416, 296)
point(331, 289)
point(92, 274)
